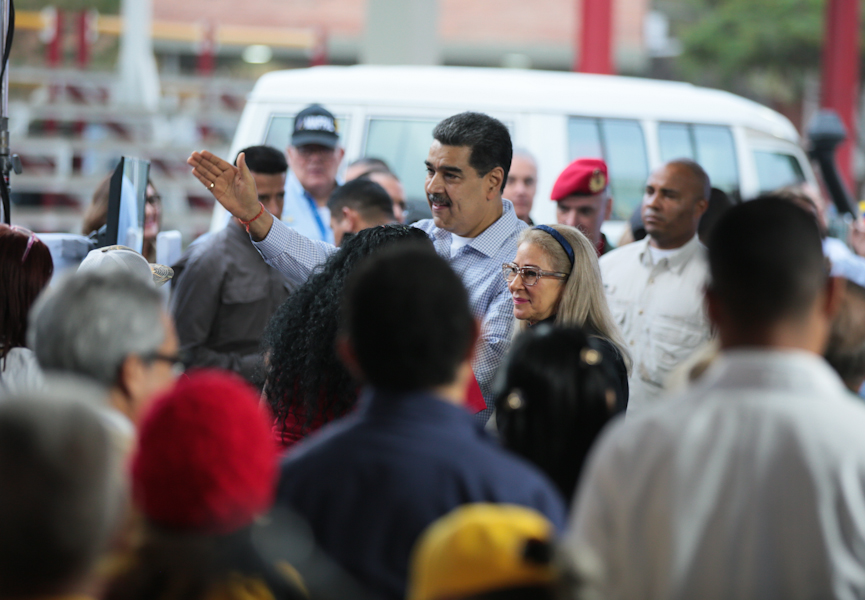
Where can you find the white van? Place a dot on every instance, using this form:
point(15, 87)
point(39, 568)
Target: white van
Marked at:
point(634, 124)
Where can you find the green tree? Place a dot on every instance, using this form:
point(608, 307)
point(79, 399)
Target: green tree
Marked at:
point(741, 44)
point(106, 7)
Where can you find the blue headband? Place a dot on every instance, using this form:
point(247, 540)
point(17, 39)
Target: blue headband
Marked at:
point(560, 239)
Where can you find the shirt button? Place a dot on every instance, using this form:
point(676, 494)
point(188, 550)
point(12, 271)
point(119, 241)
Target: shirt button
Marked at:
point(632, 342)
point(641, 312)
point(652, 280)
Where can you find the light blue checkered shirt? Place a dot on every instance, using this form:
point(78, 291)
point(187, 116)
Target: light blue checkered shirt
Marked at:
point(479, 265)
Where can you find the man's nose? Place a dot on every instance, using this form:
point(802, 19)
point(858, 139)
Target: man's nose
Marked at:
point(433, 183)
point(570, 218)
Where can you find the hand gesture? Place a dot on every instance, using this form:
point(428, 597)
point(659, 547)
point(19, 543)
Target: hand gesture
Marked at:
point(233, 187)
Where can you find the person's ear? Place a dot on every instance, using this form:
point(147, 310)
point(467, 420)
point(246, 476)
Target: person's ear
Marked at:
point(340, 152)
point(494, 181)
point(713, 308)
point(834, 296)
point(476, 334)
point(702, 205)
point(609, 211)
point(346, 354)
point(130, 382)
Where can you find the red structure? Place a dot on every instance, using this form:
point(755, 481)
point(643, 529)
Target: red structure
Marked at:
point(596, 38)
point(840, 75)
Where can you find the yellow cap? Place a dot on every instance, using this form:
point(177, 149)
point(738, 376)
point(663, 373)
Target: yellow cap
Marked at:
point(478, 548)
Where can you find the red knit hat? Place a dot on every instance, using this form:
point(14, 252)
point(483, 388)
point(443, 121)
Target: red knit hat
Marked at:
point(205, 460)
point(583, 177)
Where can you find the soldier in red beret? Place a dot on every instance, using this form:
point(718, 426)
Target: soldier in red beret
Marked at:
point(583, 196)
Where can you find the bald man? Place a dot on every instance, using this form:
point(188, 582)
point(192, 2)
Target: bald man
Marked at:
point(655, 286)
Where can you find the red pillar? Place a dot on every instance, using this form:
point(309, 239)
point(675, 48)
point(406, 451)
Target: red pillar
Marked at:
point(54, 47)
point(840, 75)
point(207, 51)
point(595, 38)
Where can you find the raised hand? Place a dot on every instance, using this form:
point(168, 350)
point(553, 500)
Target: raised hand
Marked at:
point(233, 187)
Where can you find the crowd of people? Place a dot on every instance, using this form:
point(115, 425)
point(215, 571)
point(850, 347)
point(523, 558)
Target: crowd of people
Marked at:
point(335, 403)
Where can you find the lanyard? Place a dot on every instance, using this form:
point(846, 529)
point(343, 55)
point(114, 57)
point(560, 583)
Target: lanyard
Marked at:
point(316, 215)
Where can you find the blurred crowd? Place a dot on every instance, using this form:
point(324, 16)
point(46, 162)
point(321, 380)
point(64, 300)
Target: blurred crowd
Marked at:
point(333, 403)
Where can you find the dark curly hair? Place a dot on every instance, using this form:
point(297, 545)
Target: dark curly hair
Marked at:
point(304, 376)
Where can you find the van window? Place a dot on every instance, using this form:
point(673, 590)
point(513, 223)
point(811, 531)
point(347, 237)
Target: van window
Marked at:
point(280, 127)
point(621, 144)
point(711, 146)
point(777, 169)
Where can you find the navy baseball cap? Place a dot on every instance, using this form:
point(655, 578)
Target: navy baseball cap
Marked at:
point(315, 125)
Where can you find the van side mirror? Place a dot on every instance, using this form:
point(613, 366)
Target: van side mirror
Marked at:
point(825, 134)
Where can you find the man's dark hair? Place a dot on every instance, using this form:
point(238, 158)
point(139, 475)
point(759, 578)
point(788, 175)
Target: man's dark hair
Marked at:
point(366, 197)
point(719, 203)
point(406, 315)
point(264, 160)
point(487, 137)
point(371, 165)
point(766, 261)
point(306, 382)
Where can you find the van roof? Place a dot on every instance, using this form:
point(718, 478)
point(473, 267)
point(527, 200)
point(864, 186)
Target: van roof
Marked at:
point(454, 89)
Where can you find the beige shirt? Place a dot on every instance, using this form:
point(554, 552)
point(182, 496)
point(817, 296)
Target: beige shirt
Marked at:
point(659, 308)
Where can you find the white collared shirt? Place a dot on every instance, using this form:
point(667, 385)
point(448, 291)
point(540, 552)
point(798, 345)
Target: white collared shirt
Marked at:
point(659, 308)
point(749, 485)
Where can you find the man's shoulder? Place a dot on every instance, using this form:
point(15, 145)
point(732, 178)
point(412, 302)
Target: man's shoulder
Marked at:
point(627, 253)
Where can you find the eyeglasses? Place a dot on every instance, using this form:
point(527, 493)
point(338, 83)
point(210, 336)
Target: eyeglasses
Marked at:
point(177, 363)
point(30, 241)
point(530, 275)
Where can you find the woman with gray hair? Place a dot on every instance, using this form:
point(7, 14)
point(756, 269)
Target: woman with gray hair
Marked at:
point(555, 278)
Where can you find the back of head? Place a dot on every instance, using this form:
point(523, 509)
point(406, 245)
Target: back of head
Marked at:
point(845, 351)
point(366, 165)
point(59, 495)
point(719, 203)
point(766, 262)
point(25, 269)
point(552, 400)
point(488, 138)
point(206, 461)
point(406, 315)
point(265, 160)
point(88, 323)
point(303, 367)
point(484, 551)
point(366, 197)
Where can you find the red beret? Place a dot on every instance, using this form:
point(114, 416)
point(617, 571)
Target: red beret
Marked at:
point(206, 460)
point(584, 177)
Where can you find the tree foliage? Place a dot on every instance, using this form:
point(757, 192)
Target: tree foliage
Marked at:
point(732, 41)
point(106, 7)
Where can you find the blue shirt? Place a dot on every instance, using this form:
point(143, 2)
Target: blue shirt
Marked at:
point(301, 212)
point(479, 265)
point(370, 483)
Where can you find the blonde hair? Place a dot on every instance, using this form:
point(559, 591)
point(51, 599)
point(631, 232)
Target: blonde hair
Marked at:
point(583, 302)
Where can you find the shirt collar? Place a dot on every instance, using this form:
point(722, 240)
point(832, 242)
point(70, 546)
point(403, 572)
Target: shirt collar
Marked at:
point(419, 406)
point(678, 261)
point(493, 237)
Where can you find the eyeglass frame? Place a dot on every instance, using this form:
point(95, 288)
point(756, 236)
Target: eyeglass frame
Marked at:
point(178, 361)
point(30, 241)
point(516, 270)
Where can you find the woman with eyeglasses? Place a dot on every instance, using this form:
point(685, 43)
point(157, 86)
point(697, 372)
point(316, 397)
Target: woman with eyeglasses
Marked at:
point(25, 270)
point(555, 279)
